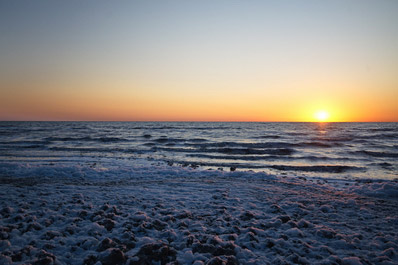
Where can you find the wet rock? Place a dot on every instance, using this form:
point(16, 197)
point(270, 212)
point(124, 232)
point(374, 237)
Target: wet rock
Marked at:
point(194, 166)
point(128, 239)
point(51, 235)
point(215, 261)
point(223, 260)
point(105, 207)
point(105, 244)
point(270, 243)
point(159, 225)
point(250, 237)
point(231, 260)
point(184, 214)
point(4, 232)
point(44, 261)
point(33, 226)
point(18, 217)
point(44, 258)
point(17, 257)
point(294, 232)
point(284, 218)
point(274, 208)
point(189, 240)
point(90, 260)
point(70, 229)
point(97, 215)
point(154, 252)
point(326, 233)
point(6, 211)
point(303, 224)
point(292, 223)
point(390, 252)
point(5, 259)
point(128, 235)
point(47, 222)
point(326, 209)
point(83, 213)
point(225, 250)
point(108, 224)
point(351, 261)
point(203, 248)
point(90, 243)
point(296, 259)
point(49, 246)
point(113, 256)
point(247, 216)
point(4, 244)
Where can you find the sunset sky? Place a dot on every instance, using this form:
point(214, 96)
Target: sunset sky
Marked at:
point(199, 60)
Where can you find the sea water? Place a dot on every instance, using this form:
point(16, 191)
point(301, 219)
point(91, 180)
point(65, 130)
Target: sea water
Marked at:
point(338, 150)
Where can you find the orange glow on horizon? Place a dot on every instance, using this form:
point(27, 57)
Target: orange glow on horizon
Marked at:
point(97, 101)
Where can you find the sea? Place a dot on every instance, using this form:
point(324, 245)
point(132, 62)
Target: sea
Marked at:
point(330, 150)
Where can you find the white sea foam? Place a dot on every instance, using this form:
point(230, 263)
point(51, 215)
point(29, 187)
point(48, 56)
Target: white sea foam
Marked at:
point(139, 212)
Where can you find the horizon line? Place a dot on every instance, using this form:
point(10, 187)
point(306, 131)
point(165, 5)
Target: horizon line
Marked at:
point(198, 121)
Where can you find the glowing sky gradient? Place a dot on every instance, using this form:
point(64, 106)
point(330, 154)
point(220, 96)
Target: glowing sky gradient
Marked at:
point(199, 60)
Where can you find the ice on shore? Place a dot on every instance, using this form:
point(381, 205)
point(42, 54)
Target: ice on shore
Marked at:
point(157, 214)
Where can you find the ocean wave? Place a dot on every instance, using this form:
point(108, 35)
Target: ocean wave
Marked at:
point(236, 157)
point(297, 133)
point(109, 139)
point(196, 140)
point(383, 165)
point(33, 146)
point(378, 136)
point(251, 151)
point(23, 142)
point(228, 144)
point(181, 128)
point(22, 147)
point(319, 168)
point(387, 136)
point(232, 151)
point(85, 139)
point(334, 139)
point(268, 157)
point(268, 137)
point(319, 144)
point(383, 129)
point(165, 139)
point(88, 149)
point(376, 154)
point(253, 144)
point(14, 131)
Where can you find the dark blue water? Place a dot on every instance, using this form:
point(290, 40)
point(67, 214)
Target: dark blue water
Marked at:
point(363, 150)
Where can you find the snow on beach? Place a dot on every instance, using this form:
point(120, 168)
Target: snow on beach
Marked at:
point(158, 214)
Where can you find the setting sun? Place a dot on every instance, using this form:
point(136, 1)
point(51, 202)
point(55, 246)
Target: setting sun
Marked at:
point(322, 115)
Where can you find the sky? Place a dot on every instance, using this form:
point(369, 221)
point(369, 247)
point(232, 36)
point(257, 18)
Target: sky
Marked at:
point(199, 60)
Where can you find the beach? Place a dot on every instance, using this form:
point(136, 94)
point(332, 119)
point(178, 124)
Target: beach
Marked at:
point(199, 132)
point(153, 213)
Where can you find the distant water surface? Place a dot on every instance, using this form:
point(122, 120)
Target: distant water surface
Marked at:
point(361, 150)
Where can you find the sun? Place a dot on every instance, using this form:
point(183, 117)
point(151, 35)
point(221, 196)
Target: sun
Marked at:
point(321, 115)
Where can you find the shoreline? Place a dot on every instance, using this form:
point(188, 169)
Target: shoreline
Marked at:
point(149, 213)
